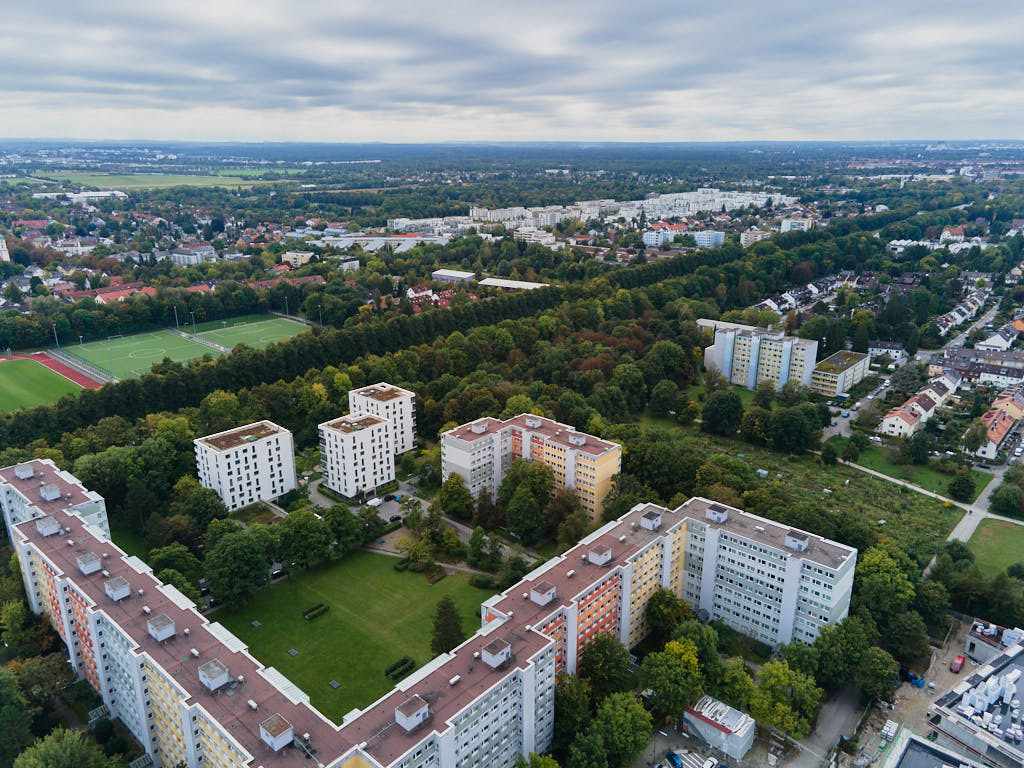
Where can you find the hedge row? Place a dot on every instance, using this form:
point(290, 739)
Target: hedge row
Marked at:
point(400, 668)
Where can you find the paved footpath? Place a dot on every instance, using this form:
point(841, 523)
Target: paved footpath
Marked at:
point(56, 366)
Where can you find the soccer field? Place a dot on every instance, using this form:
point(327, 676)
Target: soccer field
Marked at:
point(257, 334)
point(26, 383)
point(132, 356)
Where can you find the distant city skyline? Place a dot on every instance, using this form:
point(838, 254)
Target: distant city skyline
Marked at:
point(529, 71)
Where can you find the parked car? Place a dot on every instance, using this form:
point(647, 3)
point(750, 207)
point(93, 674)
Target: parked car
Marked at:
point(277, 574)
point(846, 415)
point(957, 664)
point(398, 496)
point(985, 465)
point(389, 497)
point(394, 518)
point(674, 760)
point(710, 763)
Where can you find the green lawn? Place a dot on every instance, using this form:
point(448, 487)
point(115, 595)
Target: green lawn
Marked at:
point(216, 325)
point(257, 334)
point(696, 393)
point(134, 355)
point(128, 539)
point(255, 513)
point(26, 383)
point(377, 615)
point(997, 544)
point(925, 476)
point(916, 522)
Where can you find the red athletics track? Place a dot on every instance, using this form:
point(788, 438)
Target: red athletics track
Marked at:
point(58, 367)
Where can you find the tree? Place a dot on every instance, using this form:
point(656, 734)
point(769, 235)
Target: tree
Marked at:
point(536, 477)
point(178, 557)
point(573, 528)
point(346, 528)
point(587, 750)
point(906, 636)
point(828, 454)
point(880, 585)
point(65, 749)
point(714, 381)
point(736, 686)
point(572, 711)
point(624, 725)
point(236, 566)
point(41, 678)
point(850, 451)
point(525, 516)
point(1006, 500)
point(304, 538)
point(180, 582)
point(665, 611)
point(785, 699)
point(961, 487)
point(630, 380)
point(674, 679)
point(536, 761)
point(975, 435)
point(455, 499)
point(448, 631)
point(476, 554)
point(722, 413)
point(704, 638)
point(764, 394)
point(15, 718)
point(192, 499)
point(876, 674)
point(604, 662)
point(665, 397)
point(839, 648)
point(791, 394)
point(15, 631)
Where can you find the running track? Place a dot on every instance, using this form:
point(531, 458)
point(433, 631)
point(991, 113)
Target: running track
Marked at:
point(58, 367)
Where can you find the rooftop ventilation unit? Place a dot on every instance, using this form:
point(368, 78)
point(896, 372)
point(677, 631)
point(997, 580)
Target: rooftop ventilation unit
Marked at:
point(47, 526)
point(600, 554)
point(411, 712)
point(542, 593)
point(213, 674)
point(454, 680)
point(478, 429)
point(622, 539)
point(71, 542)
point(161, 627)
point(798, 540)
point(117, 588)
point(276, 732)
point(577, 439)
point(106, 573)
point(532, 422)
point(252, 705)
point(88, 562)
point(24, 471)
point(49, 492)
point(186, 631)
point(717, 513)
point(570, 573)
point(497, 652)
point(651, 520)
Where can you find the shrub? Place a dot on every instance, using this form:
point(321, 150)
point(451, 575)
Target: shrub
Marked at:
point(402, 564)
point(482, 581)
point(401, 662)
point(312, 609)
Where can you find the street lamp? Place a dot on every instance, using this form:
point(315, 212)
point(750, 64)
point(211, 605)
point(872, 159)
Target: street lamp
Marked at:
point(55, 339)
point(80, 343)
point(175, 317)
point(321, 315)
point(193, 321)
point(286, 305)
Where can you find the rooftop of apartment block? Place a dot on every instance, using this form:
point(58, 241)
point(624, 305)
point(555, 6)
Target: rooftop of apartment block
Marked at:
point(182, 655)
point(840, 361)
point(45, 486)
point(354, 422)
point(383, 392)
point(552, 431)
point(817, 549)
point(250, 433)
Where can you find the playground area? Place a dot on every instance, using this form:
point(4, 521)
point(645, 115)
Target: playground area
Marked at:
point(125, 357)
point(257, 332)
point(25, 383)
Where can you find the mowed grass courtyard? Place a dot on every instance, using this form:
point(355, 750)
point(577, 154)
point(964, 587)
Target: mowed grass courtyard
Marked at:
point(377, 615)
point(258, 332)
point(997, 544)
point(26, 383)
point(131, 356)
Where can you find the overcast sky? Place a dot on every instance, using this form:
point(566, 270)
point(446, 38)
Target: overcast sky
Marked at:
point(435, 70)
